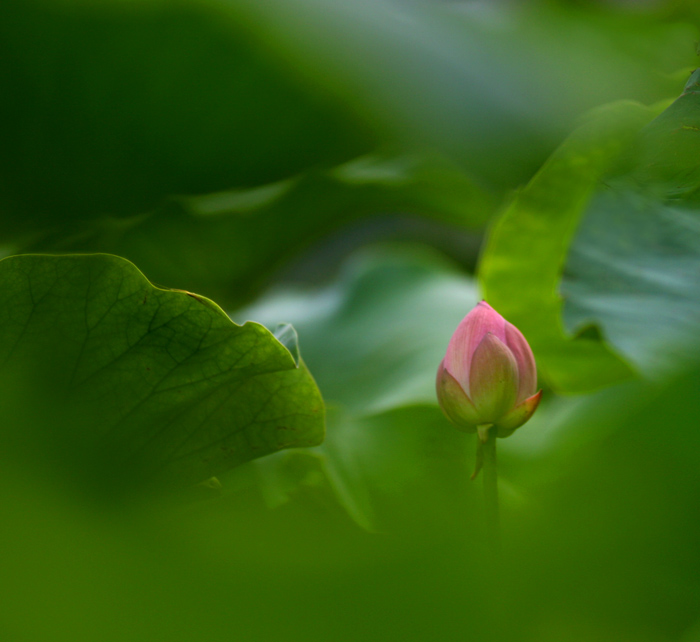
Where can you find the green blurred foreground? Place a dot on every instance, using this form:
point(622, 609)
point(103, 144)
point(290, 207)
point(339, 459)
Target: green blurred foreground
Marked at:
point(330, 174)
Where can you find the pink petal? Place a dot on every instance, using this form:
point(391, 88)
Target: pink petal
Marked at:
point(468, 335)
point(493, 379)
point(454, 401)
point(527, 371)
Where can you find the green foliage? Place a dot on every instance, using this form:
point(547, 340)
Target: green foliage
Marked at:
point(144, 381)
point(115, 104)
point(373, 339)
point(162, 474)
point(617, 204)
point(213, 244)
point(521, 264)
point(633, 251)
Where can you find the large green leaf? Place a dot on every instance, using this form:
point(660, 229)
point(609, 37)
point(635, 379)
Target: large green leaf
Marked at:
point(605, 238)
point(102, 366)
point(522, 263)
point(634, 263)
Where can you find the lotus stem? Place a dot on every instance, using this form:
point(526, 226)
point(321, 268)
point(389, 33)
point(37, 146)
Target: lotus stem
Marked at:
point(490, 475)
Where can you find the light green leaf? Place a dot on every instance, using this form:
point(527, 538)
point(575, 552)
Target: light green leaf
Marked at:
point(633, 272)
point(145, 380)
point(287, 336)
point(522, 262)
point(663, 160)
point(374, 339)
point(634, 263)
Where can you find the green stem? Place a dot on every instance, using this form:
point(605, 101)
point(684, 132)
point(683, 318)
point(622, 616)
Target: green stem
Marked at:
point(493, 521)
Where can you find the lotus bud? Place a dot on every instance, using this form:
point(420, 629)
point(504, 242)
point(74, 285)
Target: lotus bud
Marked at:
point(488, 378)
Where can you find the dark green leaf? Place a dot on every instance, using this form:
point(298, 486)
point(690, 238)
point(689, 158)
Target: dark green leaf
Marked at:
point(110, 106)
point(229, 244)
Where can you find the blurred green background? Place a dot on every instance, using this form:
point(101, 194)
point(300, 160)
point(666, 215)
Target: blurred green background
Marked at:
point(366, 171)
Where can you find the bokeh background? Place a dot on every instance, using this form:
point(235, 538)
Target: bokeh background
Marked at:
point(365, 170)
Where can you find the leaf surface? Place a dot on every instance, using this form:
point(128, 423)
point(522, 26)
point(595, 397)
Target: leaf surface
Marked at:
point(228, 245)
point(521, 265)
point(374, 338)
point(633, 268)
point(110, 106)
point(158, 381)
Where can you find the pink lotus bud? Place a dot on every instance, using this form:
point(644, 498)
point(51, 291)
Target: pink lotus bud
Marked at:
point(488, 376)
